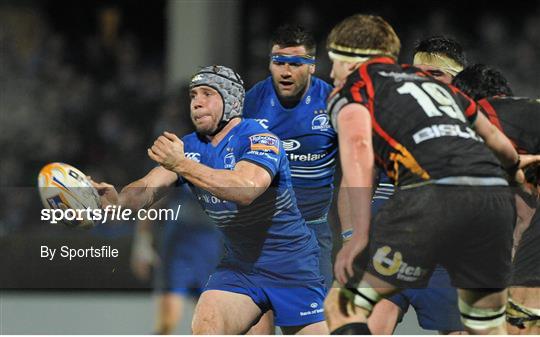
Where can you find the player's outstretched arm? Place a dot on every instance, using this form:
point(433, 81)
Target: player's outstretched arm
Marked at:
point(357, 158)
point(242, 185)
point(141, 193)
point(503, 149)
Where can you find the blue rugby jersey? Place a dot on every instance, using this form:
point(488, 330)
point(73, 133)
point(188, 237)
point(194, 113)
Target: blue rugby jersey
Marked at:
point(308, 138)
point(271, 229)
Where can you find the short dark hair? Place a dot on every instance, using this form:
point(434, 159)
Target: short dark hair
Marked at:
point(480, 81)
point(292, 35)
point(442, 45)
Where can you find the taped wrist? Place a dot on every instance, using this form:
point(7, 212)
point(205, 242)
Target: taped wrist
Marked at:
point(511, 170)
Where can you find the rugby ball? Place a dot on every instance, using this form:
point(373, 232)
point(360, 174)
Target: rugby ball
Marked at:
point(63, 187)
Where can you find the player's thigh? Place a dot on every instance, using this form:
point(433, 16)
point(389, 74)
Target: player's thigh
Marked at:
point(384, 318)
point(318, 328)
point(265, 325)
point(224, 312)
point(478, 250)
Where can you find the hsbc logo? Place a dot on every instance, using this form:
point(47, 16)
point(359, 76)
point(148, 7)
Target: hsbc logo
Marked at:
point(291, 144)
point(195, 156)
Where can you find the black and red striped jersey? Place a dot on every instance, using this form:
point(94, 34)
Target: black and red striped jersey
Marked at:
point(518, 118)
point(422, 128)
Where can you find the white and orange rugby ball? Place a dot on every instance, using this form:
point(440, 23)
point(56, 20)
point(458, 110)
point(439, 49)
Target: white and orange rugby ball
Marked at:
point(62, 186)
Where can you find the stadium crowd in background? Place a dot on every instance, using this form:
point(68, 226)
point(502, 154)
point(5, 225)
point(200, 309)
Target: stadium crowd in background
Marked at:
point(70, 109)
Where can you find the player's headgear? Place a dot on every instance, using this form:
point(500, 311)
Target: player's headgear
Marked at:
point(228, 84)
point(442, 52)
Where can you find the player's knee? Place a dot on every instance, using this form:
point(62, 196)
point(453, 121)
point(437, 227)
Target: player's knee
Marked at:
point(363, 297)
point(481, 319)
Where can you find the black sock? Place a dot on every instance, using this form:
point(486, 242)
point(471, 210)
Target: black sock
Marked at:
point(352, 329)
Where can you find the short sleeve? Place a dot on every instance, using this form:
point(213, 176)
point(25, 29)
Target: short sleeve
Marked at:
point(354, 91)
point(470, 108)
point(264, 150)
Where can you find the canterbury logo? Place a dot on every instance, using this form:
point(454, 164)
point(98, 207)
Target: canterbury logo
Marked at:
point(193, 156)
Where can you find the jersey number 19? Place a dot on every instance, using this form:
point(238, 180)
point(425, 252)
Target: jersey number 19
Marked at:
point(428, 93)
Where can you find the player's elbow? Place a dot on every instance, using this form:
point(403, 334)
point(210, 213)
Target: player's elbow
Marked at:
point(244, 201)
point(248, 193)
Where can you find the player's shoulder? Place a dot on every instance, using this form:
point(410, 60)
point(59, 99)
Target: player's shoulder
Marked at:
point(255, 96)
point(257, 138)
point(321, 86)
point(260, 88)
point(252, 127)
point(392, 72)
point(191, 138)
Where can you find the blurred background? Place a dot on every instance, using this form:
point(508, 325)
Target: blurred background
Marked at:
point(92, 83)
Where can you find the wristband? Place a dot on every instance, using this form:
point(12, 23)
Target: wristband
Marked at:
point(347, 235)
point(514, 168)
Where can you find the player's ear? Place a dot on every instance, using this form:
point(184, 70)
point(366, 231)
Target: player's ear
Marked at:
point(353, 66)
point(312, 69)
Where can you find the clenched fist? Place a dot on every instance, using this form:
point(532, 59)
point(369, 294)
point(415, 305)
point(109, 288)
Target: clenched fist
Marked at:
point(168, 151)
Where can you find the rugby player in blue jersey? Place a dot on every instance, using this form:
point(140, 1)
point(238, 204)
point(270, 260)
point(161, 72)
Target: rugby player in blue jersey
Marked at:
point(240, 173)
point(291, 103)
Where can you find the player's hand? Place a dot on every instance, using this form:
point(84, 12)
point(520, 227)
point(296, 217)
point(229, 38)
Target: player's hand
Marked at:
point(143, 256)
point(168, 151)
point(343, 267)
point(107, 193)
point(526, 160)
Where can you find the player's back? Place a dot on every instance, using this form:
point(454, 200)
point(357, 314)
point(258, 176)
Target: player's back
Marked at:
point(421, 127)
point(269, 229)
point(518, 118)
